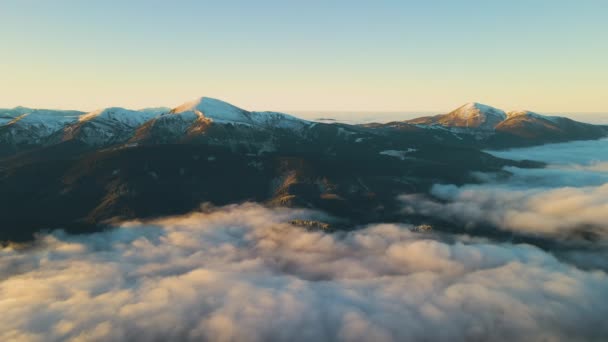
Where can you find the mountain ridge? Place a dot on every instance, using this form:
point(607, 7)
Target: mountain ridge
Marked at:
point(24, 128)
point(117, 164)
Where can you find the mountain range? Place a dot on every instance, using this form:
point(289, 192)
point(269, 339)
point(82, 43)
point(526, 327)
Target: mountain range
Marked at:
point(494, 128)
point(79, 171)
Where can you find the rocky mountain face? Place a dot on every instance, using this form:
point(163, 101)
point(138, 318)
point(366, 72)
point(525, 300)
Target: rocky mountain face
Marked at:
point(80, 171)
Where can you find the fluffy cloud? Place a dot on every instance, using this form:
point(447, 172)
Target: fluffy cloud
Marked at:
point(567, 200)
point(570, 153)
point(561, 212)
point(244, 273)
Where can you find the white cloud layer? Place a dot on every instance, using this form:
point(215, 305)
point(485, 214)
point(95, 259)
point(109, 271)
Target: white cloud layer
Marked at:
point(561, 212)
point(570, 153)
point(567, 199)
point(241, 273)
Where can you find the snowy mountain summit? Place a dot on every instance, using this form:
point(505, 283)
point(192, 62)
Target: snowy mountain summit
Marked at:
point(105, 126)
point(496, 127)
point(475, 115)
point(26, 126)
point(471, 115)
point(222, 112)
point(217, 110)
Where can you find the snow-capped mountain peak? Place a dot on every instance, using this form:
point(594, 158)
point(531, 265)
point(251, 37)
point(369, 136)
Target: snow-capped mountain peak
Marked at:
point(35, 125)
point(472, 108)
point(118, 114)
point(475, 110)
point(222, 112)
point(9, 114)
point(44, 118)
point(106, 126)
point(472, 115)
point(214, 109)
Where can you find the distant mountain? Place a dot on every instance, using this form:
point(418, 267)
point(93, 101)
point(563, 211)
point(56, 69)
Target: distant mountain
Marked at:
point(494, 128)
point(223, 112)
point(107, 126)
point(116, 163)
point(471, 115)
point(533, 126)
point(7, 115)
point(204, 119)
point(22, 126)
point(211, 121)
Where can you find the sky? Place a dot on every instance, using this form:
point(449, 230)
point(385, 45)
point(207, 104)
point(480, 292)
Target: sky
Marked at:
point(547, 56)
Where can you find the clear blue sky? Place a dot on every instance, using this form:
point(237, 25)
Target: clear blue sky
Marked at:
point(306, 55)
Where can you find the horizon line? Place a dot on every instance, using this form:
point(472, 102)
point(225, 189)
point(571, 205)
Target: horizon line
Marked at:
point(308, 111)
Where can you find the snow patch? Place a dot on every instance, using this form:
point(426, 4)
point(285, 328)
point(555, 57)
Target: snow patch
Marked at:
point(401, 154)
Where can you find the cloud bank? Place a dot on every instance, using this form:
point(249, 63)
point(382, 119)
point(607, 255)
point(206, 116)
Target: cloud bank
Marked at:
point(568, 199)
point(562, 213)
point(243, 273)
